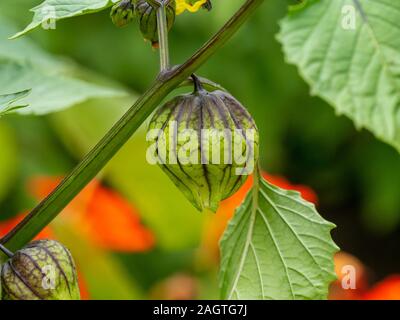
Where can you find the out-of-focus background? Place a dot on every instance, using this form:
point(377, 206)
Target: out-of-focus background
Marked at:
point(132, 233)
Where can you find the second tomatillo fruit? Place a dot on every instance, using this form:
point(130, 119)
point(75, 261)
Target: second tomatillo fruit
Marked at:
point(42, 270)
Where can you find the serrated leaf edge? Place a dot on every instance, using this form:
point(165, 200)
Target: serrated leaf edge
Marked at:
point(293, 195)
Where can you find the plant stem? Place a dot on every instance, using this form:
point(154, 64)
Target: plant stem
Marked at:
point(207, 84)
point(96, 159)
point(163, 36)
point(7, 252)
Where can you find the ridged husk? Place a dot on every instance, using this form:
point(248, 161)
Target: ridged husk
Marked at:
point(122, 13)
point(205, 185)
point(23, 277)
point(147, 17)
point(208, 5)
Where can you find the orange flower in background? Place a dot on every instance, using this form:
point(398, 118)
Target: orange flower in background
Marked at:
point(99, 214)
point(83, 288)
point(336, 290)
point(102, 216)
point(8, 225)
point(115, 224)
point(215, 226)
point(41, 187)
point(179, 286)
point(306, 192)
point(230, 204)
point(387, 289)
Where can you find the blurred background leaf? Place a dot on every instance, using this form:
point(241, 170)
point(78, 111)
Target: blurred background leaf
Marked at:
point(23, 65)
point(50, 93)
point(7, 101)
point(8, 160)
point(58, 10)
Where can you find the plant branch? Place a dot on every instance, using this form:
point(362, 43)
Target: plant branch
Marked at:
point(206, 83)
point(96, 159)
point(162, 25)
point(7, 252)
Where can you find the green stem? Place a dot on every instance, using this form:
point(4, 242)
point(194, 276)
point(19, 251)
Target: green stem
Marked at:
point(163, 36)
point(91, 165)
point(207, 84)
point(7, 252)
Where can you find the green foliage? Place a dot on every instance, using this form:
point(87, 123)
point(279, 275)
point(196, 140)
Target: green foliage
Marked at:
point(55, 85)
point(51, 11)
point(49, 92)
point(353, 67)
point(276, 247)
point(7, 101)
point(8, 160)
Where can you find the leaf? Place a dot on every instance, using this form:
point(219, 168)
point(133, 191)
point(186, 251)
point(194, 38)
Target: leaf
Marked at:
point(357, 70)
point(7, 101)
point(276, 247)
point(50, 93)
point(51, 11)
point(54, 82)
point(26, 50)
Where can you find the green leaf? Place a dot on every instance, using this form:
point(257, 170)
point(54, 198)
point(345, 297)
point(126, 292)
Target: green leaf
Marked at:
point(50, 93)
point(276, 247)
point(7, 101)
point(357, 70)
point(26, 50)
point(54, 81)
point(51, 11)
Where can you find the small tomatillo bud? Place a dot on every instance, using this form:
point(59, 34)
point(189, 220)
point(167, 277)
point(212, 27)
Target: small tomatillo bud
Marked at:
point(146, 14)
point(207, 5)
point(122, 13)
point(42, 270)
